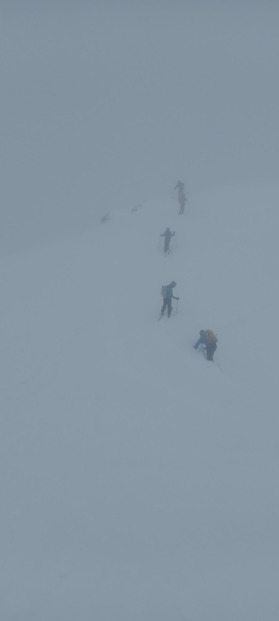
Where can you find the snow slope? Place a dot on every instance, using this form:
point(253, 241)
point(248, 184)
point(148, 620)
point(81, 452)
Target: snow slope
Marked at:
point(139, 481)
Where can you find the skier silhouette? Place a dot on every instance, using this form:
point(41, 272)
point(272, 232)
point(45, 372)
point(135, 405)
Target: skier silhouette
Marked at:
point(167, 293)
point(167, 235)
point(181, 196)
point(179, 186)
point(209, 340)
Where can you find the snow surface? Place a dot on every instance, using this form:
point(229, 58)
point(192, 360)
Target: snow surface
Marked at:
point(138, 480)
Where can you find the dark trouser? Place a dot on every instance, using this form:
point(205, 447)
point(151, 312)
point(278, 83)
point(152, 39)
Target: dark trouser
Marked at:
point(167, 245)
point(182, 202)
point(210, 349)
point(167, 304)
point(181, 210)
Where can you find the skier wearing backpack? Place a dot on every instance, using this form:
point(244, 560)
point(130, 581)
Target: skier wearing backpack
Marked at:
point(167, 293)
point(209, 340)
point(167, 235)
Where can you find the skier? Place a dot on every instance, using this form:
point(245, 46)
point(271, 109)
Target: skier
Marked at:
point(181, 196)
point(179, 186)
point(167, 293)
point(209, 340)
point(167, 235)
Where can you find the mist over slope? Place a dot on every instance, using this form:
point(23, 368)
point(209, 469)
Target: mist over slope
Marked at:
point(104, 101)
point(139, 481)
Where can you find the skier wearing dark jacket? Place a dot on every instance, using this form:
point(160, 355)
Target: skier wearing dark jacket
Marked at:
point(167, 235)
point(209, 340)
point(179, 186)
point(167, 293)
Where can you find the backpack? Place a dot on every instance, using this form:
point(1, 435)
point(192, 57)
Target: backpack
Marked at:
point(164, 291)
point(210, 336)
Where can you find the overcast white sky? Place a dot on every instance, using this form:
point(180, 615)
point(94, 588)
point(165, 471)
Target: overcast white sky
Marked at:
point(107, 103)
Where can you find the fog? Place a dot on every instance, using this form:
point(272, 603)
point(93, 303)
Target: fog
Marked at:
point(106, 104)
point(138, 480)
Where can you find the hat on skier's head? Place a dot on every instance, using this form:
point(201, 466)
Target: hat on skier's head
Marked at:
point(173, 283)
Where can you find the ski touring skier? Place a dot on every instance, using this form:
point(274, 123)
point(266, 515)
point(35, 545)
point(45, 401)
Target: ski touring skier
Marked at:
point(167, 293)
point(181, 196)
point(209, 341)
point(180, 187)
point(167, 235)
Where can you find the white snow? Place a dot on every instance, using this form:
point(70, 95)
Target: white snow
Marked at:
point(138, 480)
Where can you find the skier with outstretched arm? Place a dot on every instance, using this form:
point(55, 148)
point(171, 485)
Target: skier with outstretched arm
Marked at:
point(167, 293)
point(167, 235)
point(209, 340)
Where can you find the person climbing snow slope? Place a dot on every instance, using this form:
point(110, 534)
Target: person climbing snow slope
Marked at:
point(167, 293)
point(167, 235)
point(209, 340)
